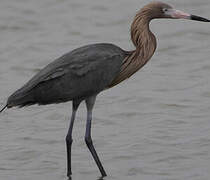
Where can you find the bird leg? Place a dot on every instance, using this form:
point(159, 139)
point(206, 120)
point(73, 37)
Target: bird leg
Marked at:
point(90, 103)
point(75, 105)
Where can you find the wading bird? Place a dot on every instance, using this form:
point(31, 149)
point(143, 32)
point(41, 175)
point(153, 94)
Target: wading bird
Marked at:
point(84, 72)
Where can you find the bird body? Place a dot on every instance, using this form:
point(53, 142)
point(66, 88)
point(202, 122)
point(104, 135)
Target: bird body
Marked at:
point(89, 69)
point(84, 72)
point(78, 74)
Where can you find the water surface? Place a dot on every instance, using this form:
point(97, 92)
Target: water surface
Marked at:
point(155, 126)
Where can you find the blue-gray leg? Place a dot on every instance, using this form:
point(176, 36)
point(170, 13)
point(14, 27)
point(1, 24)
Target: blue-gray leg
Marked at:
point(75, 105)
point(90, 103)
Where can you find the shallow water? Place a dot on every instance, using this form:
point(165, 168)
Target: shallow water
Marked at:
point(155, 126)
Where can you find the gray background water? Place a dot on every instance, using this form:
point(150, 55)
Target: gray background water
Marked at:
point(155, 126)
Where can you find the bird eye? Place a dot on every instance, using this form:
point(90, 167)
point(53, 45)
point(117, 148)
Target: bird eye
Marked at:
point(165, 9)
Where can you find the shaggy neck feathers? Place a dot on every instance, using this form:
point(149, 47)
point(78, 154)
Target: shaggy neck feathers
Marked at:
point(144, 42)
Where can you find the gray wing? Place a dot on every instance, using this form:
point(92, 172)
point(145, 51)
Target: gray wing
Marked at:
point(80, 73)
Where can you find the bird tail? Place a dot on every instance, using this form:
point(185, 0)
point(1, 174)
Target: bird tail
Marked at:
point(20, 99)
point(3, 108)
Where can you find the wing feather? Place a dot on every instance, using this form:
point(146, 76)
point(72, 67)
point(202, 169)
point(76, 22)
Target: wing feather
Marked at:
point(83, 71)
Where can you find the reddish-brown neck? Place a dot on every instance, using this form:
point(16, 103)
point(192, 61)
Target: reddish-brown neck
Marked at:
point(145, 44)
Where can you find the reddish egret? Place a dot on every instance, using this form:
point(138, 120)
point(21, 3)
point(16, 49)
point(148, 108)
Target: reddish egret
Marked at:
point(84, 72)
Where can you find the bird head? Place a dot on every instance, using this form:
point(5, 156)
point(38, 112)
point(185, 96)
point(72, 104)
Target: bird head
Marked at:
point(163, 10)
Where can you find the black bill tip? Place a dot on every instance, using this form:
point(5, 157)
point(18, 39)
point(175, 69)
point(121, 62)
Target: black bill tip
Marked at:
point(198, 18)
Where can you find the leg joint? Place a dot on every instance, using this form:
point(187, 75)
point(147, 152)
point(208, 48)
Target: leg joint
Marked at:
point(69, 139)
point(88, 141)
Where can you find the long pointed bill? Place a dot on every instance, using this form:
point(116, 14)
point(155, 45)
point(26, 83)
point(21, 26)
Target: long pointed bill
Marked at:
point(198, 18)
point(177, 14)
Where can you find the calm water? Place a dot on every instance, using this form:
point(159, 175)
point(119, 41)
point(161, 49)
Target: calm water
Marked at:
point(155, 126)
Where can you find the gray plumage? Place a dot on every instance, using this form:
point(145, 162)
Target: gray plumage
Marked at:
point(76, 75)
point(86, 71)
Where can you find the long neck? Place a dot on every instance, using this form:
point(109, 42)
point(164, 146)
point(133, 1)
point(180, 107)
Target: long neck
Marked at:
point(145, 43)
point(141, 36)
